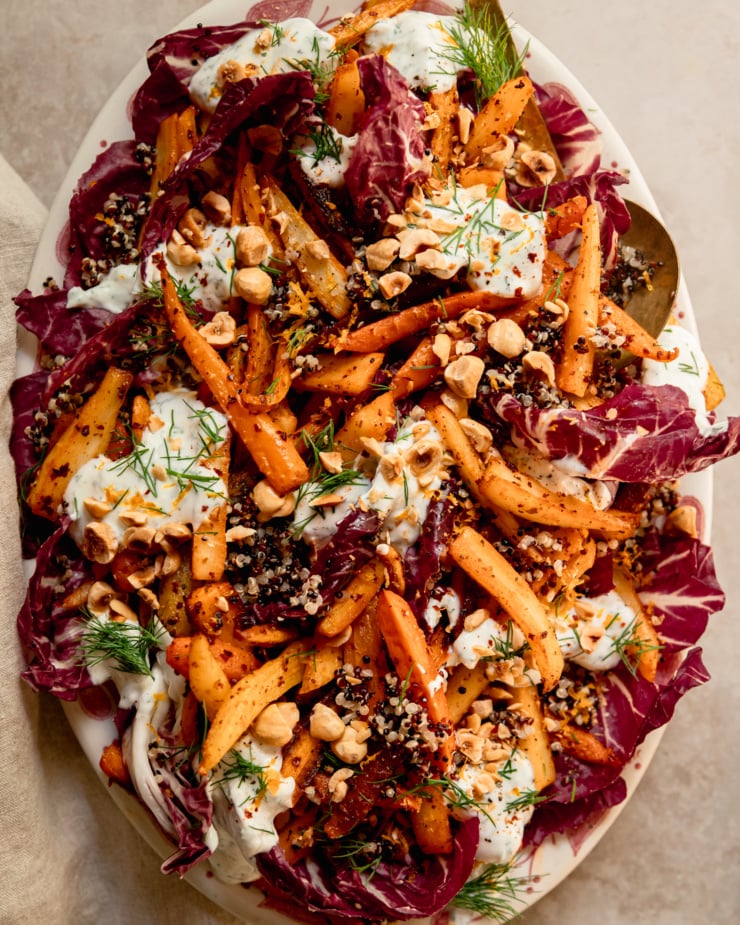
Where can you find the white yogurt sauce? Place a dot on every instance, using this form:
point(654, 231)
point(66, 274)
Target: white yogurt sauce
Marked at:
point(245, 809)
point(501, 829)
point(211, 280)
point(588, 632)
point(328, 169)
point(420, 46)
point(502, 248)
point(449, 603)
point(558, 479)
point(115, 291)
point(401, 501)
point(164, 477)
point(485, 641)
point(689, 372)
point(272, 49)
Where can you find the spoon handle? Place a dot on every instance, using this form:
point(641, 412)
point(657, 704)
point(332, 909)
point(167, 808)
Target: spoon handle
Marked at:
point(531, 126)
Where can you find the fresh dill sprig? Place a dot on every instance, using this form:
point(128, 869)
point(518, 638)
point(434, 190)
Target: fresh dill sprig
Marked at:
point(630, 646)
point(327, 144)
point(525, 799)
point(152, 292)
point(457, 796)
point(140, 461)
point(492, 893)
point(237, 767)
point(125, 643)
point(362, 856)
point(485, 47)
point(505, 648)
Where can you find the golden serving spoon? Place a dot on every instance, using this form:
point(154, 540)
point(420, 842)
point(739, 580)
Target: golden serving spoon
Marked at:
point(650, 305)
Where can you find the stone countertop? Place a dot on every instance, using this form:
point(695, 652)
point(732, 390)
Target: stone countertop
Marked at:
point(667, 77)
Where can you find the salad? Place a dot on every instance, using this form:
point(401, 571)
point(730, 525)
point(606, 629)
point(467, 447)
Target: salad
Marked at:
point(346, 473)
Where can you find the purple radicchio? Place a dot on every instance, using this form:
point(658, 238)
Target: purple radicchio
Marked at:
point(50, 634)
point(119, 171)
point(396, 891)
point(681, 591)
point(282, 100)
point(423, 562)
point(577, 142)
point(389, 155)
point(59, 330)
point(643, 434)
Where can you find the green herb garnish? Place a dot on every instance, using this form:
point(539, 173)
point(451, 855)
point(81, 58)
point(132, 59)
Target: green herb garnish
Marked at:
point(125, 643)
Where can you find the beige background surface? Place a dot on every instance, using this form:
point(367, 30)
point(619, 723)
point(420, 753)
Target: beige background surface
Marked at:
point(668, 79)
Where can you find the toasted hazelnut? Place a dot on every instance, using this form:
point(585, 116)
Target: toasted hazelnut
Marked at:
point(457, 405)
point(463, 375)
point(192, 227)
point(138, 539)
point(435, 262)
point(171, 562)
point(337, 784)
point(442, 347)
point(180, 252)
point(269, 502)
point(143, 577)
point(253, 284)
point(465, 119)
point(325, 724)
point(275, 724)
point(498, 154)
point(478, 434)
point(475, 619)
point(252, 246)
point(414, 240)
point(393, 284)
point(220, 331)
point(172, 535)
point(424, 455)
point(133, 518)
point(683, 520)
point(149, 598)
point(540, 365)
point(217, 208)
point(381, 254)
point(349, 748)
point(317, 250)
point(99, 542)
point(99, 596)
point(506, 337)
point(97, 508)
point(121, 610)
point(331, 461)
point(559, 309)
point(537, 168)
point(470, 744)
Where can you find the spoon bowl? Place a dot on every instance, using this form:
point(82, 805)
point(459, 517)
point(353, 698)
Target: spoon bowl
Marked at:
point(651, 305)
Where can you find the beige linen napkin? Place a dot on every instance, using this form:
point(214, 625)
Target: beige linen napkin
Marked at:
point(67, 857)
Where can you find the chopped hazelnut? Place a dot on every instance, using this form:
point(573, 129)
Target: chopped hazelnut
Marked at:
point(463, 375)
point(253, 284)
point(393, 284)
point(217, 208)
point(252, 246)
point(220, 331)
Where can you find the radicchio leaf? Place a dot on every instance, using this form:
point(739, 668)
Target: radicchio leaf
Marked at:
point(282, 100)
point(49, 634)
point(60, 330)
point(389, 155)
point(644, 434)
point(394, 891)
point(117, 170)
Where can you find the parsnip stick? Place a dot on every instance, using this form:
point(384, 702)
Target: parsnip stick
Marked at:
point(576, 368)
point(486, 566)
